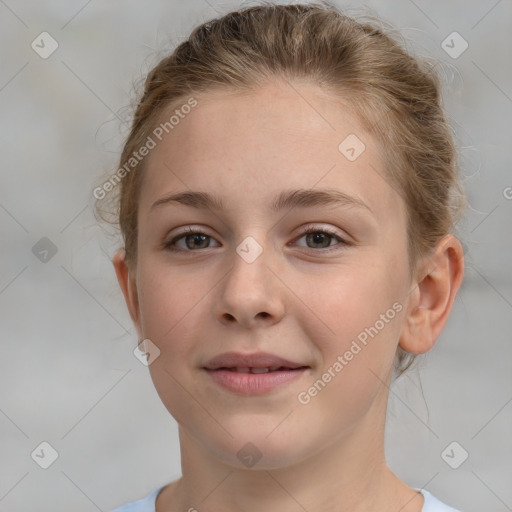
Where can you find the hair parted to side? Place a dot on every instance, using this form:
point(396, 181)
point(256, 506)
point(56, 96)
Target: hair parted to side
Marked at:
point(395, 95)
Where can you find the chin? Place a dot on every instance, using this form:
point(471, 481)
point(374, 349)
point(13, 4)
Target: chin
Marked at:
point(254, 450)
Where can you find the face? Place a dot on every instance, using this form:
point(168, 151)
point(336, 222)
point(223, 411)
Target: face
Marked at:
point(329, 302)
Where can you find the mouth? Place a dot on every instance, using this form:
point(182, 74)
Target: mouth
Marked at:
point(253, 374)
point(260, 370)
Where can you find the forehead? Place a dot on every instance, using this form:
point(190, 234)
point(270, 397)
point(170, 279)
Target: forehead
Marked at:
point(261, 142)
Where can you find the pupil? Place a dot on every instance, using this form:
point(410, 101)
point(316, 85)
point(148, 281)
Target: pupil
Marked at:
point(318, 238)
point(197, 238)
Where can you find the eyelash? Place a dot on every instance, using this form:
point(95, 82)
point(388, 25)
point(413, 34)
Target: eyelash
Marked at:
point(170, 246)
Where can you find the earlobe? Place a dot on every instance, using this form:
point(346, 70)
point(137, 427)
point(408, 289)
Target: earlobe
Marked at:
point(433, 295)
point(128, 287)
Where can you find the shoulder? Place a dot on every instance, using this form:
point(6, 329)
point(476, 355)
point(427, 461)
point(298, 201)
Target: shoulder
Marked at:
point(146, 504)
point(432, 504)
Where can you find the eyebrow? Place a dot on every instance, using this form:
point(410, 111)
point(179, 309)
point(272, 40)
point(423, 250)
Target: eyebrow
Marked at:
point(299, 198)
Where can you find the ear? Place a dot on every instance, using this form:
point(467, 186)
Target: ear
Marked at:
point(433, 295)
point(128, 287)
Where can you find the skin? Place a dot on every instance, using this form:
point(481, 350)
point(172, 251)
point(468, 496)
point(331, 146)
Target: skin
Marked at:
point(295, 300)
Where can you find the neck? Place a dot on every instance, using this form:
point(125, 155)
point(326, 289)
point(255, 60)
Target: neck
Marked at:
point(348, 475)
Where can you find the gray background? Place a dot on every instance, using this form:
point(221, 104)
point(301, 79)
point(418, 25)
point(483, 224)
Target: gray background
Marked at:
point(68, 374)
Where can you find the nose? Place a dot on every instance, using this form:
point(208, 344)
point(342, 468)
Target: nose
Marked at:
point(250, 294)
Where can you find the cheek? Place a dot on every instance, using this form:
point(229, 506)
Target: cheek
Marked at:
point(168, 300)
point(352, 299)
point(172, 308)
point(362, 315)
point(363, 312)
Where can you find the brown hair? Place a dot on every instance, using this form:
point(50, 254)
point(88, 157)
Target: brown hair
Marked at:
point(395, 95)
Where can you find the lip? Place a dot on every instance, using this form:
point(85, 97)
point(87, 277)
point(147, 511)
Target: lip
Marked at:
point(256, 360)
point(223, 369)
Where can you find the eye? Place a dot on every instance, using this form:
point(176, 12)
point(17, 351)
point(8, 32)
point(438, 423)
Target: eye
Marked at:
point(192, 238)
point(321, 238)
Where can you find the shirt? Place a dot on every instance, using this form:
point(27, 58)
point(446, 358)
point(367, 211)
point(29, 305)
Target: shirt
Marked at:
point(147, 504)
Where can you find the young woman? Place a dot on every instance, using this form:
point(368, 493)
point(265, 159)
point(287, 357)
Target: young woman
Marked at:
point(288, 194)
